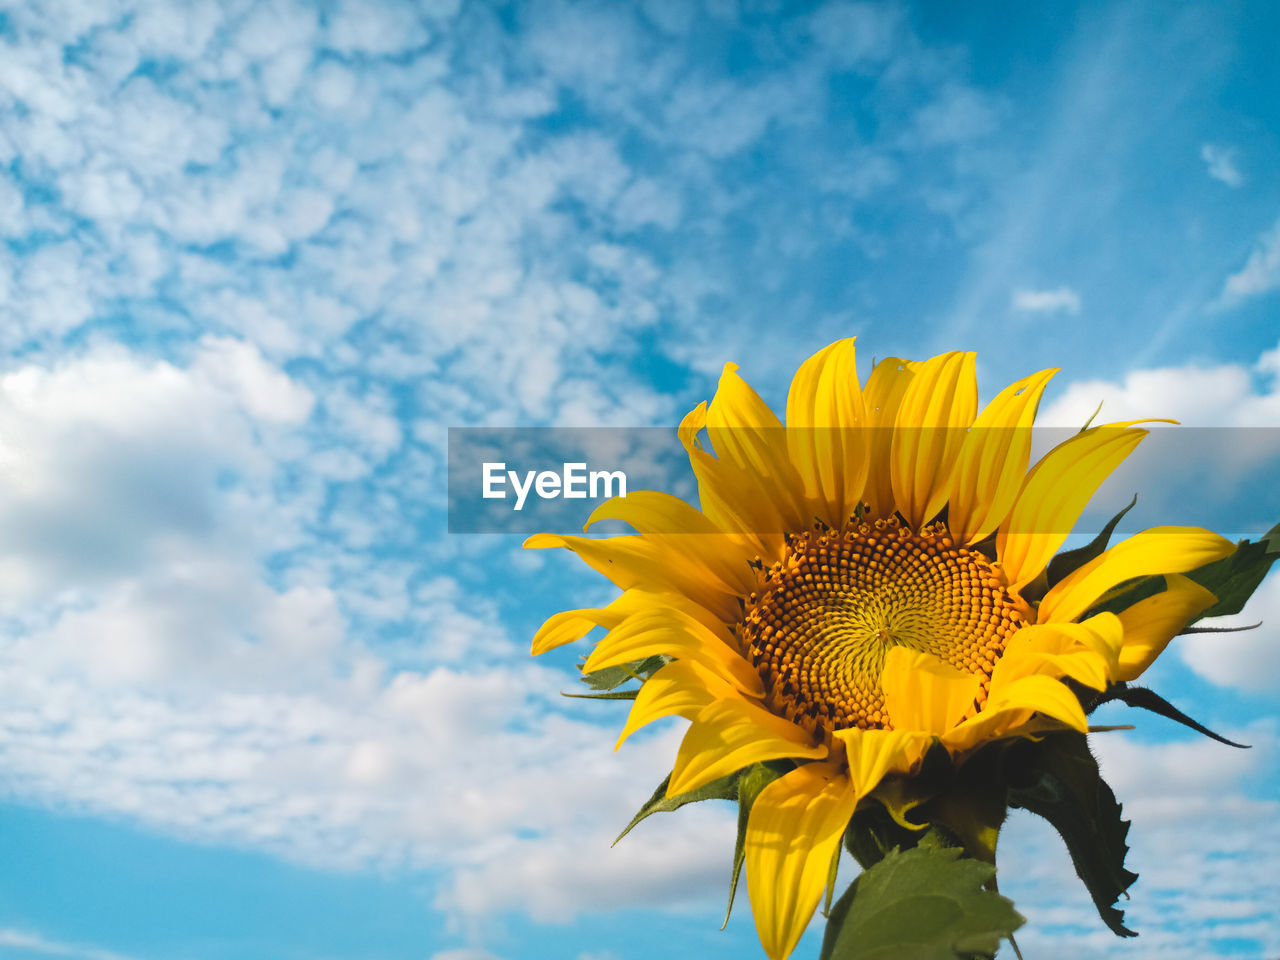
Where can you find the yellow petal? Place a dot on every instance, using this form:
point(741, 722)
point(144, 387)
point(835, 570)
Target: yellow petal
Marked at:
point(570, 625)
point(673, 633)
point(1160, 550)
point(1054, 495)
point(924, 693)
point(681, 688)
point(648, 561)
point(1150, 624)
point(1059, 650)
point(686, 530)
point(746, 433)
point(793, 833)
point(728, 735)
point(937, 408)
point(882, 397)
point(873, 754)
point(652, 511)
point(1010, 710)
point(993, 460)
point(825, 435)
point(726, 496)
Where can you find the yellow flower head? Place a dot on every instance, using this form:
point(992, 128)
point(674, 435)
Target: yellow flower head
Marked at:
point(863, 583)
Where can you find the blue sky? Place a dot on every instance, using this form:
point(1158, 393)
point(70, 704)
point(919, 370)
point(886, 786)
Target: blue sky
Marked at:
point(255, 703)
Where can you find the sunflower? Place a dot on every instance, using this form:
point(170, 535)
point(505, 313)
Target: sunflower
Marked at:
point(862, 584)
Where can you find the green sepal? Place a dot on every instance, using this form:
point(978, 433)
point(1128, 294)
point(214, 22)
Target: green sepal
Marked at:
point(1067, 563)
point(1234, 578)
point(1124, 595)
point(607, 695)
point(752, 780)
point(1148, 699)
point(726, 788)
point(966, 804)
point(1061, 782)
point(928, 903)
point(612, 677)
point(974, 808)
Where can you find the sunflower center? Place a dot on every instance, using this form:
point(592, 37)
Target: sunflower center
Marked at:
point(825, 615)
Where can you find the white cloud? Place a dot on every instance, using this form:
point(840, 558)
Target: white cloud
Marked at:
point(112, 461)
point(1220, 163)
point(150, 668)
point(375, 29)
point(677, 860)
point(1261, 272)
point(35, 943)
point(1060, 300)
point(1225, 395)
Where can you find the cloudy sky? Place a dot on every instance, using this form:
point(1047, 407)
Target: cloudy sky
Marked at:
point(255, 703)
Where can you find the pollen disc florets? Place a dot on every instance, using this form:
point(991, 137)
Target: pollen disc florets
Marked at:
point(826, 613)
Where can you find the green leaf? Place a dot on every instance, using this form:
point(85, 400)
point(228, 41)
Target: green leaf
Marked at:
point(726, 788)
point(1072, 560)
point(1148, 699)
point(1063, 785)
point(928, 903)
point(1233, 579)
point(753, 780)
point(611, 677)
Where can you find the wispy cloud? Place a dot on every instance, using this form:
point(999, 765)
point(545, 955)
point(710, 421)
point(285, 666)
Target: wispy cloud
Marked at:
point(35, 943)
point(1220, 163)
point(1260, 273)
point(1060, 300)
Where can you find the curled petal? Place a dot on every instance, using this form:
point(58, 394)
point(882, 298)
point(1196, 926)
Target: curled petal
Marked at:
point(655, 562)
point(1160, 550)
point(681, 688)
point(1150, 624)
point(1011, 710)
point(672, 633)
point(686, 530)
